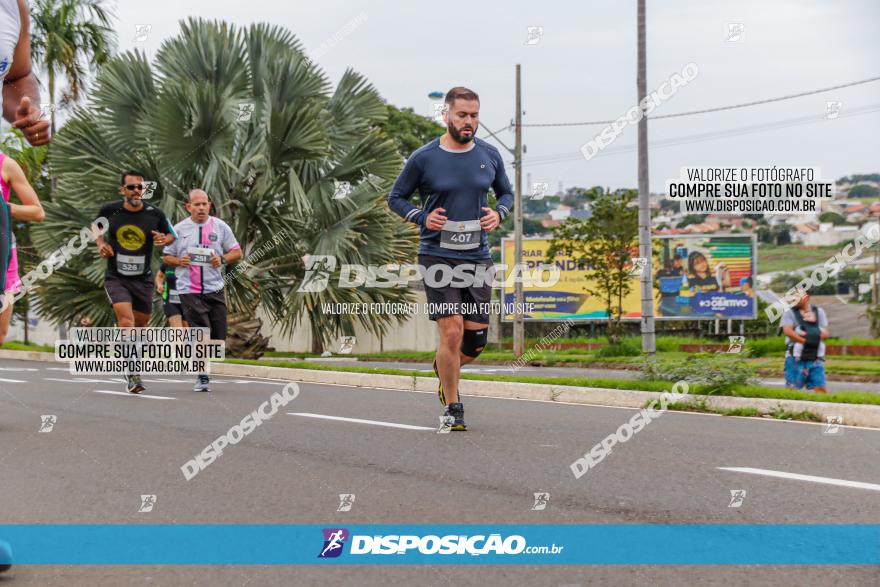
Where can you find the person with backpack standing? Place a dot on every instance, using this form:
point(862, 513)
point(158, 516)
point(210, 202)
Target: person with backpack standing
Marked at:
point(805, 327)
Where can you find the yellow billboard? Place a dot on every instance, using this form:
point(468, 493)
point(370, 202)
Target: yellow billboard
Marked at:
point(696, 276)
point(567, 299)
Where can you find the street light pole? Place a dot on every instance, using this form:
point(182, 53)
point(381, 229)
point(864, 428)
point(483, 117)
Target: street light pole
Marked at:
point(649, 345)
point(518, 323)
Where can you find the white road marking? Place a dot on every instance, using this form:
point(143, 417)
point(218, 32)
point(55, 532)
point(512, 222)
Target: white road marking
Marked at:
point(799, 477)
point(65, 369)
point(359, 421)
point(116, 380)
point(359, 389)
point(268, 380)
point(78, 380)
point(132, 394)
point(18, 369)
point(12, 381)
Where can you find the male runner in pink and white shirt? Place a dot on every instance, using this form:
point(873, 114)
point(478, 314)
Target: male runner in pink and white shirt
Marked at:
point(203, 246)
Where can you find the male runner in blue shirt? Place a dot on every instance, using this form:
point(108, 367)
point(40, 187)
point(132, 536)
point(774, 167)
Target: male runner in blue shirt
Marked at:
point(453, 175)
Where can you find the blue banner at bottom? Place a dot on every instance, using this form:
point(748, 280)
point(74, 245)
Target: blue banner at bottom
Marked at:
point(564, 544)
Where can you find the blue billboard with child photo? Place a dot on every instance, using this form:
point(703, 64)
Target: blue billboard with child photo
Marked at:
point(705, 276)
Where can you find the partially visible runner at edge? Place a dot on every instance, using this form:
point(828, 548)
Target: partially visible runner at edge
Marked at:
point(21, 99)
point(13, 179)
point(166, 287)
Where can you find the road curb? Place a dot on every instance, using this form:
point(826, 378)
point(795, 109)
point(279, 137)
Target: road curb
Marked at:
point(28, 356)
point(849, 414)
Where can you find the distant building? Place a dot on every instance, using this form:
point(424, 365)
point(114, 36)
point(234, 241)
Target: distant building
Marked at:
point(853, 207)
point(561, 212)
point(826, 234)
point(857, 217)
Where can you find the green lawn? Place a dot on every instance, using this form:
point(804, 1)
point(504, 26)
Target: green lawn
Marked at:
point(791, 257)
point(14, 345)
point(754, 391)
point(866, 366)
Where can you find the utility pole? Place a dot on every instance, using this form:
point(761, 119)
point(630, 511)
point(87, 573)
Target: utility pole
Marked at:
point(519, 332)
point(517, 151)
point(875, 292)
point(649, 345)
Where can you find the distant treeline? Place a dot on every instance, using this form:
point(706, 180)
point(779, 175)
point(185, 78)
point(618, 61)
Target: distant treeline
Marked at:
point(858, 178)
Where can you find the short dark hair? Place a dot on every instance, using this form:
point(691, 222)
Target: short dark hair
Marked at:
point(462, 93)
point(132, 172)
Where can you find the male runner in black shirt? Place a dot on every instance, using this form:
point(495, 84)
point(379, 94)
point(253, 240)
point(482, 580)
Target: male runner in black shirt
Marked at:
point(134, 227)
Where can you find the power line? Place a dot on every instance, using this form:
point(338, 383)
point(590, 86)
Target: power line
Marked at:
point(717, 109)
point(706, 136)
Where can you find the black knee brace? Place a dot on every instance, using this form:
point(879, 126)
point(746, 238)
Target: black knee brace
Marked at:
point(473, 341)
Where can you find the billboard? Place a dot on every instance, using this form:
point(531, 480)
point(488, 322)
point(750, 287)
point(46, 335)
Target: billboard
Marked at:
point(705, 276)
point(696, 277)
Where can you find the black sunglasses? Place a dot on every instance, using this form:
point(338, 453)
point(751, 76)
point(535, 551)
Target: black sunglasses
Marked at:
point(135, 186)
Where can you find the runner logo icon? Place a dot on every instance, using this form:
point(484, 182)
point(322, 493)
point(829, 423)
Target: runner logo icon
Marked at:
point(318, 270)
point(334, 540)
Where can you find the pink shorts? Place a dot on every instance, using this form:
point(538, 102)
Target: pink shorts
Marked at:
point(13, 283)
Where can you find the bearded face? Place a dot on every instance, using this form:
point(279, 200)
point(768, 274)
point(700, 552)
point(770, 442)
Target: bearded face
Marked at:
point(462, 120)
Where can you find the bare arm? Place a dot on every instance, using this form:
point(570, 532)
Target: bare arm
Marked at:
point(233, 255)
point(176, 261)
point(30, 209)
point(105, 249)
point(21, 94)
point(790, 333)
point(823, 324)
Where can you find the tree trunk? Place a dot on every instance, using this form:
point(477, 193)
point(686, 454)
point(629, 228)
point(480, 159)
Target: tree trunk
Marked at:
point(53, 183)
point(611, 329)
point(317, 343)
point(244, 340)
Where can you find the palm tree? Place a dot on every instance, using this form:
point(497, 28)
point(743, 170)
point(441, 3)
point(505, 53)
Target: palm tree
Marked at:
point(70, 37)
point(245, 116)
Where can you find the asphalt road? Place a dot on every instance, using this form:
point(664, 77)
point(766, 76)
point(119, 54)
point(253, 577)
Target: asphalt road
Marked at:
point(571, 372)
point(108, 449)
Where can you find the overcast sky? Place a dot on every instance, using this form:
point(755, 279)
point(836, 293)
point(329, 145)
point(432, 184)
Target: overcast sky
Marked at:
point(583, 68)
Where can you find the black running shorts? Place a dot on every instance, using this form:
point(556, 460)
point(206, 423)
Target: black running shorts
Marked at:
point(206, 311)
point(138, 292)
point(446, 298)
point(172, 309)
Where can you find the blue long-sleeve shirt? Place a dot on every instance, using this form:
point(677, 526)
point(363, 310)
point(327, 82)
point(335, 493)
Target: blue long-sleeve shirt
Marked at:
point(458, 182)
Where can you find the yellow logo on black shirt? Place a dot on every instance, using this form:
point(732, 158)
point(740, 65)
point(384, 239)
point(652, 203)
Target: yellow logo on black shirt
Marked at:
point(130, 237)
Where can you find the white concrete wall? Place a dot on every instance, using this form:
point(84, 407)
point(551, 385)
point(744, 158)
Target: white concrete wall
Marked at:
point(830, 237)
point(416, 334)
point(40, 331)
